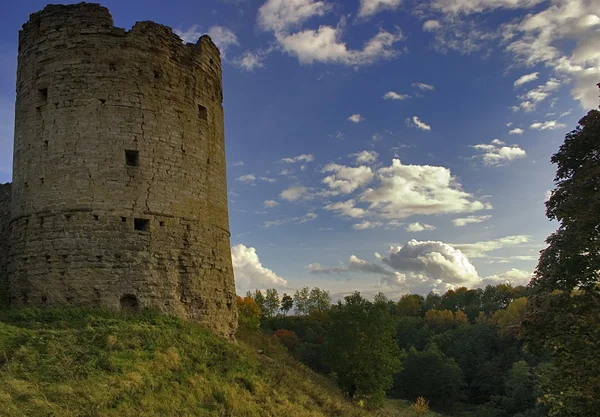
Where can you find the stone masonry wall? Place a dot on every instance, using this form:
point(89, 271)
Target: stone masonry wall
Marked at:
point(119, 196)
point(4, 222)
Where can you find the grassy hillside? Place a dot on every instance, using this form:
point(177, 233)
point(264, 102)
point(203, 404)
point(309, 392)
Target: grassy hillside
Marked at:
point(71, 363)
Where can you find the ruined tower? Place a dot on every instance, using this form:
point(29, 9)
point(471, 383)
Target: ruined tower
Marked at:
point(119, 195)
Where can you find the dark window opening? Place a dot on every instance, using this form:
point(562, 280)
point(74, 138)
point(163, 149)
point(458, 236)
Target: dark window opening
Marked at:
point(68, 216)
point(142, 225)
point(156, 75)
point(102, 101)
point(132, 158)
point(41, 221)
point(129, 304)
point(99, 257)
point(43, 95)
point(123, 219)
point(96, 217)
point(42, 180)
point(161, 224)
point(202, 112)
point(112, 66)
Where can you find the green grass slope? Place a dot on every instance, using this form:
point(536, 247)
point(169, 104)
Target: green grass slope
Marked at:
point(69, 363)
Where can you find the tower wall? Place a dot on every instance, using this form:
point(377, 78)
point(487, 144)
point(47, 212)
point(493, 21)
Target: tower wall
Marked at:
point(119, 196)
point(5, 195)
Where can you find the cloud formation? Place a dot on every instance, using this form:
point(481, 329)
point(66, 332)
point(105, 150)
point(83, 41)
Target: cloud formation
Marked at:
point(369, 8)
point(497, 153)
point(463, 221)
point(356, 118)
point(416, 122)
point(526, 79)
point(392, 95)
point(419, 227)
point(347, 179)
point(250, 273)
point(299, 158)
point(547, 125)
point(480, 249)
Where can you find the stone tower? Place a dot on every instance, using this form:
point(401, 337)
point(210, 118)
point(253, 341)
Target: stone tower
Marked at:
point(119, 195)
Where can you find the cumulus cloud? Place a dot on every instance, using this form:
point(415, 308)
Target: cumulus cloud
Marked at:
point(347, 179)
point(270, 203)
point(513, 276)
point(366, 157)
point(348, 209)
point(423, 86)
point(299, 158)
point(248, 178)
point(250, 60)
point(191, 35)
point(432, 262)
point(370, 7)
point(249, 271)
point(325, 45)
point(223, 37)
point(526, 78)
point(356, 118)
point(480, 249)
point(497, 153)
point(392, 95)
point(416, 122)
point(407, 190)
point(277, 15)
point(547, 37)
point(548, 125)
point(516, 131)
point(463, 221)
point(431, 25)
point(419, 227)
point(532, 98)
point(355, 264)
point(295, 193)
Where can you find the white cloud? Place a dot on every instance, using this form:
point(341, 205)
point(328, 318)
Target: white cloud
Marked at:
point(561, 36)
point(248, 178)
point(249, 271)
point(295, 193)
point(480, 249)
point(270, 203)
point(279, 15)
point(423, 86)
point(526, 78)
point(516, 131)
point(497, 153)
point(347, 179)
point(419, 227)
point(268, 179)
point(222, 37)
point(431, 264)
point(509, 124)
point(370, 7)
point(478, 6)
point(304, 219)
point(366, 157)
point(346, 208)
point(533, 97)
point(392, 95)
point(355, 264)
point(324, 45)
point(190, 35)
point(238, 164)
point(416, 122)
point(407, 190)
point(250, 60)
point(366, 224)
point(548, 125)
point(299, 158)
point(356, 118)
point(513, 277)
point(431, 25)
point(463, 221)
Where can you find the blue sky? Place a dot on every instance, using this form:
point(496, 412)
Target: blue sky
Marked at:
point(380, 145)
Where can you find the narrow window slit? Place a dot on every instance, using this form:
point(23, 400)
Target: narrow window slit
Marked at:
point(202, 112)
point(142, 225)
point(132, 158)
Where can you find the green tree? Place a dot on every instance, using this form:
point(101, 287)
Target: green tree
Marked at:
point(432, 375)
point(563, 314)
point(319, 300)
point(248, 313)
point(520, 392)
point(259, 299)
point(301, 300)
point(271, 302)
point(410, 305)
point(361, 348)
point(287, 302)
